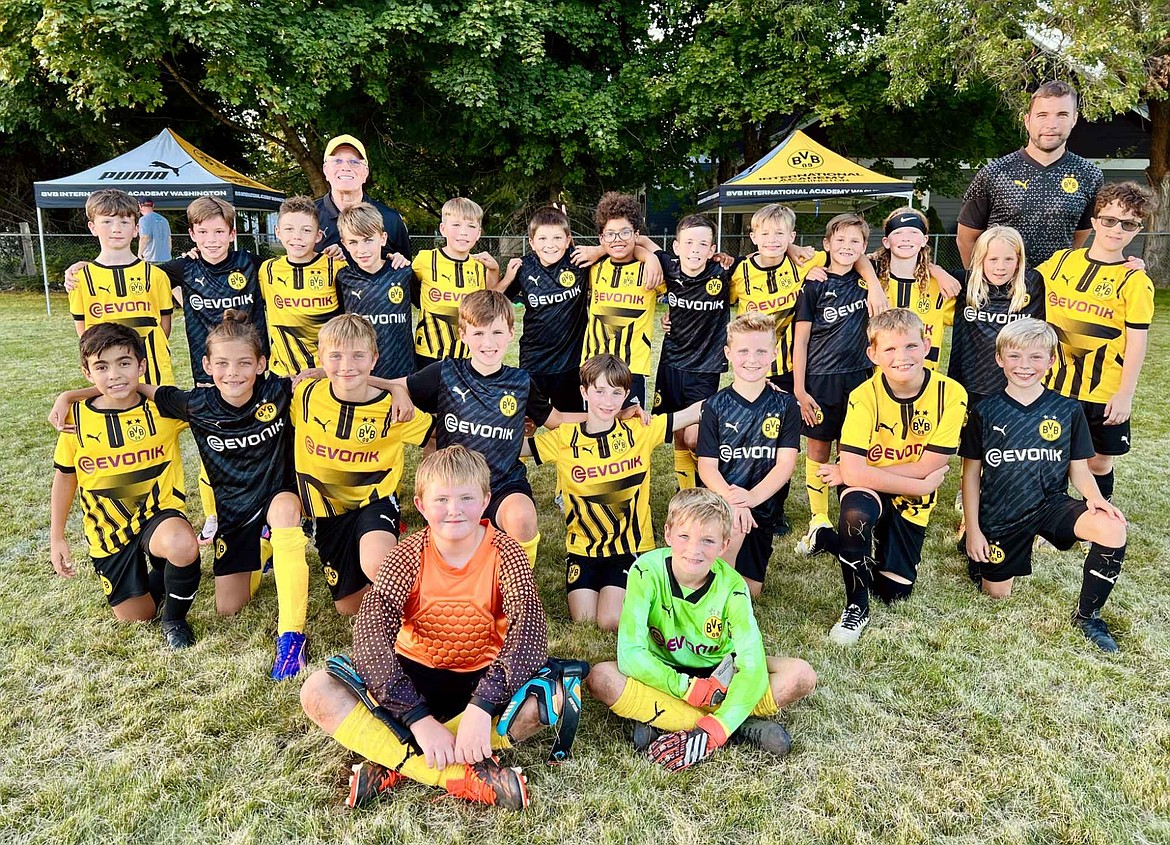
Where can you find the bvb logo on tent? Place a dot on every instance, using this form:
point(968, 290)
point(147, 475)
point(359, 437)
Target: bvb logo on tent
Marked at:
point(805, 160)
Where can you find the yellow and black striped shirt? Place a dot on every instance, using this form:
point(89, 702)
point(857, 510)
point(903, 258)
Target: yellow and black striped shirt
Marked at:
point(773, 290)
point(621, 314)
point(937, 312)
point(441, 283)
point(299, 299)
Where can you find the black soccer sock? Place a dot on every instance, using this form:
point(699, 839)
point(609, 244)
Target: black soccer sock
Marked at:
point(1105, 485)
point(1102, 567)
point(155, 584)
point(859, 515)
point(182, 582)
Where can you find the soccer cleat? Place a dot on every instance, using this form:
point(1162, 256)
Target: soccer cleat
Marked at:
point(763, 734)
point(207, 533)
point(644, 735)
point(959, 502)
point(1095, 631)
point(178, 634)
point(848, 630)
point(487, 782)
point(290, 655)
point(369, 780)
point(812, 543)
point(783, 527)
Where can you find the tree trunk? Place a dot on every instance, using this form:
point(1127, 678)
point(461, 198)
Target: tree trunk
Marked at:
point(311, 165)
point(1157, 252)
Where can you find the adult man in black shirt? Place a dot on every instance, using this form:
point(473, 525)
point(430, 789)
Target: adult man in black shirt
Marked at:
point(346, 171)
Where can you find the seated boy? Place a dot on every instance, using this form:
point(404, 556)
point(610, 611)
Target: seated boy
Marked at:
point(444, 276)
point(119, 287)
point(691, 668)
point(900, 429)
point(124, 457)
point(1021, 448)
point(556, 305)
point(299, 289)
point(452, 630)
point(603, 471)
point(377, 289)
point(749, 436)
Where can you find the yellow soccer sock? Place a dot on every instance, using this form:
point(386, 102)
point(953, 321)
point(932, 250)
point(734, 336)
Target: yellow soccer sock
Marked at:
point(206, 494)
point(254, 583)
point(818, 491)
point(684, 468)
point(530, 548)
point(643, 703)
point(361, 731)
point(291, 572)
point(499, 743)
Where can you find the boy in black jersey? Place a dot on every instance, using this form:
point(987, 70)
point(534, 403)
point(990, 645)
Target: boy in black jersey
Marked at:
point(377, 289)
point(749, 436)
point(555, 294)
point(829, 357)
point(1021, 448)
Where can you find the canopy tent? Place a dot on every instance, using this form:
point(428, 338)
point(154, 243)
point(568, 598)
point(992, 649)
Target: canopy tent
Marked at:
point(167, 169)
point(800, 171)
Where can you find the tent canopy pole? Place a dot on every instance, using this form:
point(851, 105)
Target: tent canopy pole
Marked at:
point(44, 264)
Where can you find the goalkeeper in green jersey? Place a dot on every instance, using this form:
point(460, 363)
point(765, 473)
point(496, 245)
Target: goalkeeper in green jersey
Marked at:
point(691, 668)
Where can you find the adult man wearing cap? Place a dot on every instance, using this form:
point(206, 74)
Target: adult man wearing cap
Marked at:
point(346, 172)
point(154, 234)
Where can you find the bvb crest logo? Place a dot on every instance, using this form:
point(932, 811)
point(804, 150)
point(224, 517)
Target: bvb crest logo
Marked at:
point(574, 573)
point(771, 427)
point(137, 287)
point(1027, 300)
point(395, 295)
point(1050, 429)
point(819, 416)
point(923, 304)
point(1103, 290)
point(366, 431)
point(618, 444)
point(995, 554)
point(331, 576)
point(713, 627)
point(920, 425)
point(567, 278)
point(508, 405)
point(316, 280)
point(107, 587)
point(220, 548)
point(657, 398)
point(714, 286)
point(237, 280)
point(266, 412)
point(1069, 185)
point(136, 430)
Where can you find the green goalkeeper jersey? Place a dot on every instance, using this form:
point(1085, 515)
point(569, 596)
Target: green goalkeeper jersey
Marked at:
point(666, 628)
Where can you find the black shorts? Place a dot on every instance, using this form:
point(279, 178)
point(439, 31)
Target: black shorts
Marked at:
point(897, 541)
point(446, 691)
point(238, 547)
point(593, 573)
point(507, 489)
point(1010, 552)
point(675, 389)
point(784, 381)
point(1107, 439)
point(831, 392)
point(752, 560)
point(339, 539)
point(123, 574)
point(563, 390)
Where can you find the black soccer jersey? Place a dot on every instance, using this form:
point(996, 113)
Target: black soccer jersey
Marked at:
point(745, 435)
point(699, 306)
point(837, 310)
point(211, 289)
point(1046, 205)
point(1026, 451)
point(556, 309)
point(383, 298)
point(973, 339)
point(484, 413)
point(245, 450)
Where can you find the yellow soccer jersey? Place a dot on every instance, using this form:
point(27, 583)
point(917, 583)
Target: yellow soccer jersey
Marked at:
point(299, 300)
point(1092, 305)
point(621, 314)
point(136, 295)
point(348, 454)
point(443, 282)
point(605, 479)
point(128, 470)
point(888, 430)
point(937, 312)
point(773, 290)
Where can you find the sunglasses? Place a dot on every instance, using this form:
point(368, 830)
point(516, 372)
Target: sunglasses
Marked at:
point(1126, 225)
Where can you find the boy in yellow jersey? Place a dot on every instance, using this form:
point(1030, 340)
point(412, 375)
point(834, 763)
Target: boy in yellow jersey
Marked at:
point(444, 276)
point(901, 427)
point(603, 472)
point(691, 668)
point(452, 630)
point(348, 451)
point(119, 287)
point(124, 457)
point(299, 288)
point(1101, 309)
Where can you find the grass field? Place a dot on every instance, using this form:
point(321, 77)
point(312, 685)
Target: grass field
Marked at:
point(955, 720)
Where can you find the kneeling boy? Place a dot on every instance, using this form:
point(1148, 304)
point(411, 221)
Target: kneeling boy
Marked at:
point(691, 668)
point(1020, 449)
point(452, 629)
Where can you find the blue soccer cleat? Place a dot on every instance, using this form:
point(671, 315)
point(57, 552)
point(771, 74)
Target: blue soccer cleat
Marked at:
point(290, 655)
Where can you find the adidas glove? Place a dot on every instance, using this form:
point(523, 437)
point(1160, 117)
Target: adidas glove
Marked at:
point(710, 691)
point(681, 749)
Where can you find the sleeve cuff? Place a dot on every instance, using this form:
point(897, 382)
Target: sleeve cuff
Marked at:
point(486, 706)
point(416, 713)
point(853, 450)
point(70, 470)
point(941, 450)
